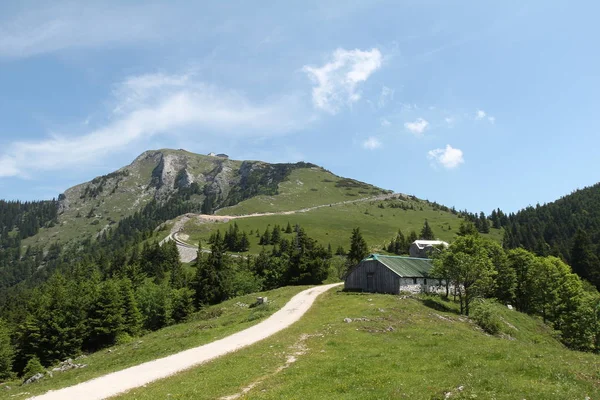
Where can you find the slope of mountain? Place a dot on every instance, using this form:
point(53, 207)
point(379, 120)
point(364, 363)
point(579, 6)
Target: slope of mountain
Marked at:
point(568, 228)
point(379, 219)
point(209, 182)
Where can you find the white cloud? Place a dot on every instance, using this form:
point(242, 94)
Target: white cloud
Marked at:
point(372, 143)
point(448, 158)
point(417, 127)
point(337, 81)
point(385, 122)
point(152, 105)
point(481, 115)
point(8, 167)
point(449, 120)
point(385, 96)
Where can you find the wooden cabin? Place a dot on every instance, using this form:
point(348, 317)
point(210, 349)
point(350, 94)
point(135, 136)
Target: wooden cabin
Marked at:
point(392, 274)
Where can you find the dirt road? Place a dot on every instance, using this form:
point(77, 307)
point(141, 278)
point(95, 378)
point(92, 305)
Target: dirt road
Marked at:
point(127, 379)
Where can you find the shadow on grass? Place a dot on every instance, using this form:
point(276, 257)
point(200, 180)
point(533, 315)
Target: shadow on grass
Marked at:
point(439, 304)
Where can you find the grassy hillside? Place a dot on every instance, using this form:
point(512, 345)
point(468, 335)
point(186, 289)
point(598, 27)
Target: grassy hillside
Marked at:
point(395, 347)
point(205, 326)
point(307, 187)
point(334, 224)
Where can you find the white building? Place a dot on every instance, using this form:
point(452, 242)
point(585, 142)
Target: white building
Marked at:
point(424, 248)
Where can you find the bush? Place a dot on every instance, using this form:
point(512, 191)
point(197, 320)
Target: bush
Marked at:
point(34, 366)
point(260, 311)
point(485, 316)
point(123, 338)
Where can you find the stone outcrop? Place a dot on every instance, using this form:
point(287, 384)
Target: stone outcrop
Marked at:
point(34, 378)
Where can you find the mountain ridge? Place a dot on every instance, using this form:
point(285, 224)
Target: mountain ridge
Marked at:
point(210, 182)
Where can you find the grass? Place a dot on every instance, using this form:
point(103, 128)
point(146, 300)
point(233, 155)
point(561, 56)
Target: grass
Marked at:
point(333, 225)
point(305, 187)
point(394, 348)
point(205, 326)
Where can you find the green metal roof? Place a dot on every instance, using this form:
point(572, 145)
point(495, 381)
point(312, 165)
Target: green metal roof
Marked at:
point(405, 267)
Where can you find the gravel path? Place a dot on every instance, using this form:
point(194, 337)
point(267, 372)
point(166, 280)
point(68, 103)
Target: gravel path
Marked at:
point(130, 378)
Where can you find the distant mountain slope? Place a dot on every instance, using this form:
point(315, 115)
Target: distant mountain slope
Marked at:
point(208, 183)
point(568, 228)
point(379, 219)
point(305, 187)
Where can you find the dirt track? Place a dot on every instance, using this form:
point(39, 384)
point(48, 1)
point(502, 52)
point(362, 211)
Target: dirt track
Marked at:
point(130, 378)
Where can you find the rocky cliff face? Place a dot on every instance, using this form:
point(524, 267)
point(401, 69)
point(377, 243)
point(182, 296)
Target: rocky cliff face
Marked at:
point(211, 182)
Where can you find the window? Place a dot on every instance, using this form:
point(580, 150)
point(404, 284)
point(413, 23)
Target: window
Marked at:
point(424, 281)
point(414, 281)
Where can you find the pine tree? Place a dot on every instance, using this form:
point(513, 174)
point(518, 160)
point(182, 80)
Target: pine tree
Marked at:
point(484, 224)
point(244, 243)
point(583, 260)
point(265, 239)
point(132, 317)
point(173, 264)
point(106, 319)
point(275, 235)
point(55, 325)
point(427, 232)
point(155, 304)
point(134, 273)
point(214, 275)
point(400, 245)
point(340, 251)
point(358, 248)
point(288, 228)
point(183, 304)
point(412, 236)
point(33, 367)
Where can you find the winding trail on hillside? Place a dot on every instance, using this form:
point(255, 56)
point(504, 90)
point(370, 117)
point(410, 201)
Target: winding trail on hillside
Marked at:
point(188, 252)
point(121, 381)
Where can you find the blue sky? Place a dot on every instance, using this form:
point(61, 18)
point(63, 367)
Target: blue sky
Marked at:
point(473, 104)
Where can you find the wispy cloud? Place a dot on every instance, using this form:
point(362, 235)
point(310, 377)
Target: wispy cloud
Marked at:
point(417, 127)
point(152, 105)
point(337, 81)
point(385, 122)
point(40, 29)
point(385, 96)
point(372, 143)
point(448, 158)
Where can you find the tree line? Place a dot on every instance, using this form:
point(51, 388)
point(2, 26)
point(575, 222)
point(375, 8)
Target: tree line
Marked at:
point(88, 305)
point(537, 285)
point(568, 228)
